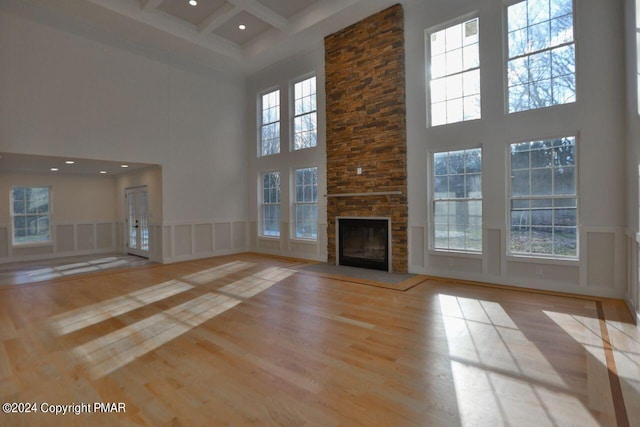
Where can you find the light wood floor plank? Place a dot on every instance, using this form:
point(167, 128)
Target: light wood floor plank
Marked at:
point(245, 340)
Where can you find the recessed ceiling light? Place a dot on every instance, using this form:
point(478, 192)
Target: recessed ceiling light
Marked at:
point(124, 166)
point(69, 162)
point(193, 2)
point(54, 169)
point(103, 171)
point(242, 27)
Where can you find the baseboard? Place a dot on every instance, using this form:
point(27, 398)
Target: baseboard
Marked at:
point(54, 255)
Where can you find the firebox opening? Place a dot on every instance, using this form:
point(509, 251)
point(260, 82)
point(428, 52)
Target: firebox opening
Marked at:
point(364, 242)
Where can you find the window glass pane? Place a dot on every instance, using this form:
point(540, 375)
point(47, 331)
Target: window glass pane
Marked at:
point(471, 107)
point(305, 119)
point(454, 37)
point(454, 74)
point(438, 45)
point(520, 218)
point(454, 61)
point(566, 241)
point(517, 16)
point(564, 180)
point(541, 182)
point(539, 224)
point(542, 76)
point(454, 111)
point(520, 181)
point(473, 159)
point(542, 240)
point(561, 30)
point(441, 237)
point(438, 90)
point(474, 185)
point(561, 7)
point(518, 43)
point(564, 217)
point(30, 214)
point(457, 221)
point(518, 98)
point(539, 37)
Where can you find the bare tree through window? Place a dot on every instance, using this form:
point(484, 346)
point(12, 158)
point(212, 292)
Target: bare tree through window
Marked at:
point(541, 66)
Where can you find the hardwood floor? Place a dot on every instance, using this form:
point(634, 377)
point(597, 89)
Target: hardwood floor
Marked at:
point(247, 340)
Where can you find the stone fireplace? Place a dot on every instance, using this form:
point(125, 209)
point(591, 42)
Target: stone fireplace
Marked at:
point(364, 242)
point(366, 129)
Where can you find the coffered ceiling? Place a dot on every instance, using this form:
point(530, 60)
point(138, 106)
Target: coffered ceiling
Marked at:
point(210, 31)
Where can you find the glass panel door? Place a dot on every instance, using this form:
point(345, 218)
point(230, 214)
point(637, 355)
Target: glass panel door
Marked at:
point(137, 221)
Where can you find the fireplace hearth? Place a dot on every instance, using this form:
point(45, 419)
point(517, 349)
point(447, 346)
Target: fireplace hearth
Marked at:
point(364, 242)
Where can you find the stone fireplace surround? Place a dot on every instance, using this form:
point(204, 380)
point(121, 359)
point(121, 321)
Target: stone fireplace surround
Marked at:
point(366, 128)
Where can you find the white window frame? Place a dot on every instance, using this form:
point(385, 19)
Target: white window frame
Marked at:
point(294, 116)
point(462, 21)
point(510, 198)
point(299, 204)
point(262, 124)
point(48, 215)
point(529, 53)
point(435, 200)
point(270, 203)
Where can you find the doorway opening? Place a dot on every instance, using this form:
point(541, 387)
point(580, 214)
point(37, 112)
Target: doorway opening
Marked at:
point(137, 221)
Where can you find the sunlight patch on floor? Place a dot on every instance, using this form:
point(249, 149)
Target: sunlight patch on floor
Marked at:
point(215, 273)
point(107, 353)
point(507, 382)
point(80, 318)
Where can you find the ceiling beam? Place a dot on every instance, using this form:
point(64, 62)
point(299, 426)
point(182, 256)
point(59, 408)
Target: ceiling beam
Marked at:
point(151, 4)
point(262, 12)
point(218, 18)
point(173, 26)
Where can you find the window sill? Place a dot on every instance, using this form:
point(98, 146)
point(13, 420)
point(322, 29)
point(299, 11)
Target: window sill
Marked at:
point(532, 259)
point(305, 241)
point(272, 238)
point(459, 254)
point(31, 245)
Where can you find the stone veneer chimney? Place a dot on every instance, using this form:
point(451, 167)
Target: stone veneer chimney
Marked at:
point(366, 127)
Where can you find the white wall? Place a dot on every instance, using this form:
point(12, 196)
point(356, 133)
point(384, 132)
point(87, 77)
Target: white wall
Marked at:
point(280, 76)
point(71, 92)
point(83, 215)
point(632, 23)
point(597, 118)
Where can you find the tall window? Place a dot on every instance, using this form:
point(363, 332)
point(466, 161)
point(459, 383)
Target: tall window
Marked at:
point(541, 68)
point(455, 74)
point(271, 204)
point(457, 200)
point(31, 214)
point(305, 120)
point(270, 123)
point(544, 205)
point(307, 203)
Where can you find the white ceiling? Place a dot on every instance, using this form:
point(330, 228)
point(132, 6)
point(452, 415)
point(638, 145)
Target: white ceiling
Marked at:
point(36, 164)
point(208, 33)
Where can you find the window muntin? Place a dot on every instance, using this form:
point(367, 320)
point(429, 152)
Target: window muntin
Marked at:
point(305, 119)
point(543, 202)
point(271, 204)
point(455, 73)
point(541, 51)
point(31, 215)
point(457, 200)
point(270, 123)
point(306, 206)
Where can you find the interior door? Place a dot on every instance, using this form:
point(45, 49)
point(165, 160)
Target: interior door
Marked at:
point(137, 221)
